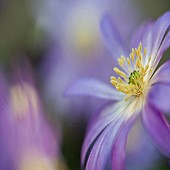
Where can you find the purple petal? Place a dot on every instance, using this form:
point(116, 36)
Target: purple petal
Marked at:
point(144, 35)
point(103, 131)
point(119, 149)
point(155, 36)
point(159, 96)
point(158, 128)
point(94, 88)
point(162, 74)
point(161, 34)
point(102, 148)
point(112, 38)
point(105, 116)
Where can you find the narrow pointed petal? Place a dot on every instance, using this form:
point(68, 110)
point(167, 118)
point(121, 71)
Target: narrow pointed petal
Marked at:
point(102, 134)
point(155, 36)
point(158, 128)
point(112, 38)
point(102, 148)
point(104, 117)
point(94, 88)
point(119, 149)
point(161, 34)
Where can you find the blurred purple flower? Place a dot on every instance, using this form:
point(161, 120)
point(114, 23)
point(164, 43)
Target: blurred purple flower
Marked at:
point(27, 140)
point(56, 17)
point(140, 89)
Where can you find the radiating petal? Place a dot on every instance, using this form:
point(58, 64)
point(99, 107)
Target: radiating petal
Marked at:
point(161, 34)
point(104, 117)
point(94, 88)
point(119, 149)
point(112, 38)
point(102, 148)
point(155, 36)
point(159, 96)
point(102, 134)
point(144, 35)
point(162, 75)
point(161, 38)
point(158, 128)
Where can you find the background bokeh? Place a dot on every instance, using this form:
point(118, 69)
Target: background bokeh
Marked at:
point(61, 40)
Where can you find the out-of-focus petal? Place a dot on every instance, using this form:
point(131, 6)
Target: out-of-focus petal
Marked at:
point(94, 88)
point(23, 127)
point(158, 128)
point(112, 38)
point(119, 149)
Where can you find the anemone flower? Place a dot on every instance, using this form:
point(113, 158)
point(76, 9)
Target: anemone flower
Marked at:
point(27, 140)
point(140, 89)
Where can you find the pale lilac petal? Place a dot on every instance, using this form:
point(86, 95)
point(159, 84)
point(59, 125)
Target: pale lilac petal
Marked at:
point(102, 148)
point(163, 73)
point(158, 128)
point(102, 133)
point(144, 35)
point(94, 88)
point(104, 117)
point(161, 34)
point(159, 96)
point(119, 149)
point(155, 36)
point(112, 38)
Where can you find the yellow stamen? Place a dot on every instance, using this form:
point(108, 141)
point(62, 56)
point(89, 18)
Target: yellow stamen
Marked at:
point(121, 73)
point(120, 61)
point(128, 61)
point(145, 51)
point(132, 57)
point(134, 81)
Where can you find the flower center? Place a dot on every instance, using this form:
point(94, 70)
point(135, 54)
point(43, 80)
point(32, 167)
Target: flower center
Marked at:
point(134, 77)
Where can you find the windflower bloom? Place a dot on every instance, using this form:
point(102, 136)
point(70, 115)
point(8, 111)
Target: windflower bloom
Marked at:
point(27, 140)
point(138, 89)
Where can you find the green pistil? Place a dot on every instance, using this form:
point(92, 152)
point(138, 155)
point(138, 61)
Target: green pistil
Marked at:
point(133, 77)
